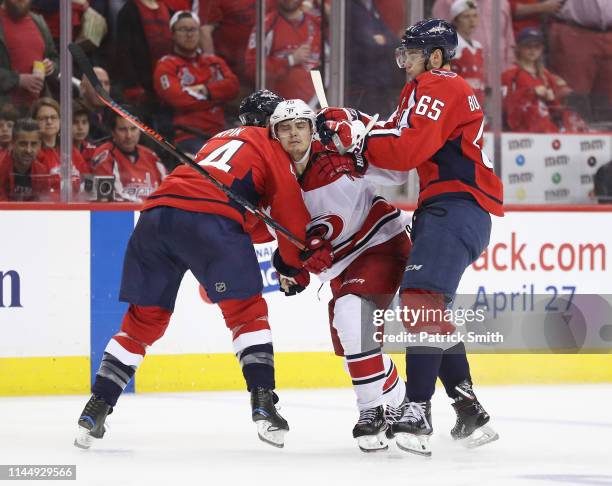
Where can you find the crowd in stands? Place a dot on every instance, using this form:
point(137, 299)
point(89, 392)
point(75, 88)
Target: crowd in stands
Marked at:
point(184, 65)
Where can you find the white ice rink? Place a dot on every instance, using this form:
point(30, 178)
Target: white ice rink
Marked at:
point(549, 435)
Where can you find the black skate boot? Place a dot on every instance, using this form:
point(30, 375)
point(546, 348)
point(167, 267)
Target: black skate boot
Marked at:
point(413, 429)
point(91, 422)
point(370, 430)
point(471, 427)
point(393, 416)
point(271, 427)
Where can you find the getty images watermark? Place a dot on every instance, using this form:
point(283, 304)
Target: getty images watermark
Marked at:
point(449, 327)
point(518, 323)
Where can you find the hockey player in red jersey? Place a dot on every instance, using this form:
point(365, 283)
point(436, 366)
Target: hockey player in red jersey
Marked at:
point(371, 247)
point(190, 224)
point(437, 129)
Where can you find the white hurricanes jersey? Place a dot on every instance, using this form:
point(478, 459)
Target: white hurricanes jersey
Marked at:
point(350, 214)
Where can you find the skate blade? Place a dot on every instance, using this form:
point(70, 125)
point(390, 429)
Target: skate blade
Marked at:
point(373, 443)
point(481, 436)
point(414, 444)
point(271, 434)
point(83, 440)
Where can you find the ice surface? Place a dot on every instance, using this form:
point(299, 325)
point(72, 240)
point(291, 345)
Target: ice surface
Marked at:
point(549, 435)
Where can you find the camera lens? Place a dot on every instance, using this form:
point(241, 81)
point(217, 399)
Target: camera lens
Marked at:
point(105, 188)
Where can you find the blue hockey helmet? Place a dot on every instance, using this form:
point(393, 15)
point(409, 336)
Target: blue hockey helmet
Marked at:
point(428, 35)
point(256, 109)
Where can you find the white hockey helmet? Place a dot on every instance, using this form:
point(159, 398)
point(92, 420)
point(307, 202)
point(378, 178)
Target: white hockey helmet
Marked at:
point(291, 110)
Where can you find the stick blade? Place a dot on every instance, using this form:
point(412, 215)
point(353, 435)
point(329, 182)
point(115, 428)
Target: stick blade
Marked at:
point(317, 82)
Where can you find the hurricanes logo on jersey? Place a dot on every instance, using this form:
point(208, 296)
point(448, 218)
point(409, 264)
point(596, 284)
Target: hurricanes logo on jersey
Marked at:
point(327, 226)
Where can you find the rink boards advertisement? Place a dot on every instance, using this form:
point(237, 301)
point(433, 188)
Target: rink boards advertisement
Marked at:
point(60, 273)
point(557, 169)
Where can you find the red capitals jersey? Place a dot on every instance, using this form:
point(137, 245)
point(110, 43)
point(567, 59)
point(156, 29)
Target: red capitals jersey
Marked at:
point(87, 150)
point(283, 37)
point(31, 186)
point(136, 176)
point(526, 111)
point(49, 187)
point(254, 166)
point(469, 64)
point(438, 129)
point(174, 78)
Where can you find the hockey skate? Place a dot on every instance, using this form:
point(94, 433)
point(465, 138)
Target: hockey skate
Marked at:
point(91, 422)
point(413, 429)
point(393, 416)
point(370, 430)
point(271, 427)
point(471, 427)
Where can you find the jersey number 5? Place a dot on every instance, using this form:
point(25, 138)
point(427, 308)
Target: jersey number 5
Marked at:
point(428, 108)
point(220, 157)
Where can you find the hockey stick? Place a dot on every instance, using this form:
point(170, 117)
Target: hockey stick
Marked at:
point(317, 83)
point(85, 65)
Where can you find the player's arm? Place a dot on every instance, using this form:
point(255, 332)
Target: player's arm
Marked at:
point(420, 134)
point(227, 86)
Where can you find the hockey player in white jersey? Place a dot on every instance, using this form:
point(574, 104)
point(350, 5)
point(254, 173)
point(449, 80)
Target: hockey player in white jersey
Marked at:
point(371, 247)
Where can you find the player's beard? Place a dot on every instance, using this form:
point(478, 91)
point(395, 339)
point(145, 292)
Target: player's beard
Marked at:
point(18, 11)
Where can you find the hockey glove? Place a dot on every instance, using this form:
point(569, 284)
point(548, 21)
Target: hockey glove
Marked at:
point(342, 136)
point(329, 165)
point(294, 285)
point(292, 280)
point(338, 114)
point(318, 256)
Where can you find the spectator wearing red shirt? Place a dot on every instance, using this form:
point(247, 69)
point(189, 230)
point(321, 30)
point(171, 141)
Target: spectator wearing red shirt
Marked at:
point(533, 96)
point(293, 48)
point(226, 27)
point(195, 85)
point(46, 112)
point(21, 79)
point(143, 38)
point(8, 117)
point(580, 41)
point(80, 132)
point(532, 13)
point(137, 170)
point(20, 168)
point(469, 58)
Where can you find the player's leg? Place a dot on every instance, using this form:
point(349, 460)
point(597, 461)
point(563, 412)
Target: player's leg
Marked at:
point(150, 281)
point(232, 279)
point(448, 235)
point(369, 283)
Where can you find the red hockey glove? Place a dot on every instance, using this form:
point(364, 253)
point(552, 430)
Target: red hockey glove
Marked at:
point(329, 165)
point(342, 136)
point(332, 113)
point(318, 256)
